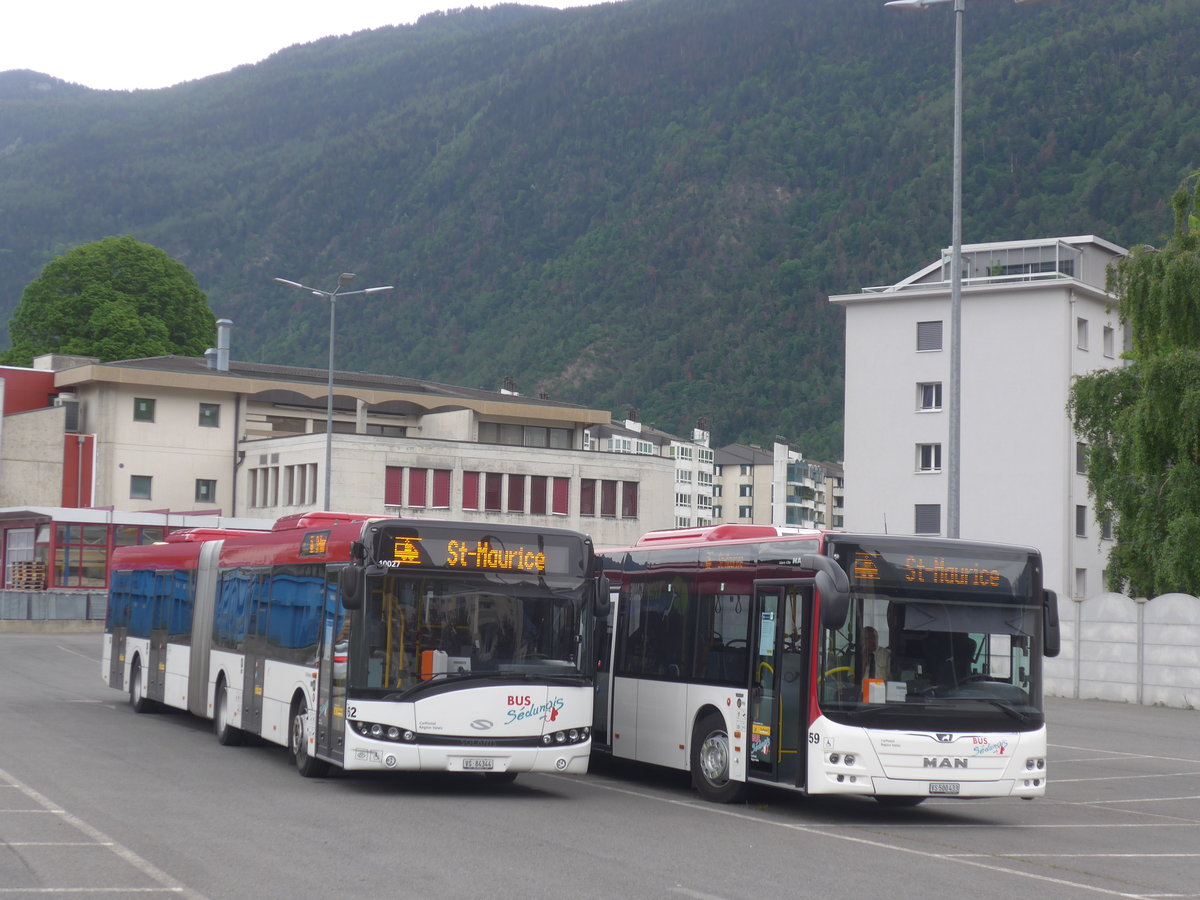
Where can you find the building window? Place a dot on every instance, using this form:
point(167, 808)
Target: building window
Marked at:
point(561, 498)
point(441, 489)
point(300, 485)
point(393, 485)
point(928, 518)
point(397, 431)
point(143, 409)
point(210, 415)
point(608, 498)
point(587, 496)
point(524, 435)
point(1080, 458)
point(745, 490)
point(264, 484)
point(629, 499)
point(929, 457)
point(745, 512)
point(746, 469)
point(416, 487)
point(537, 495)
point(1081, 334)
point(206, 490)
point(139, 487)
point(683, 476)
point(516, 493)
point(470, 490)
point(1106, 531)
point(493, 490)
point(718, 512)
point(929, 396)
point(683, 499)
point(1080, 521)
point(929, 336)
point(1110, 342)
point(80, 555)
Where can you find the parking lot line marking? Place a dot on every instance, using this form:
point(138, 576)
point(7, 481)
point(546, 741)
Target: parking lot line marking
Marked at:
point(701, 806)
point(1125, 777)
point(166, 883)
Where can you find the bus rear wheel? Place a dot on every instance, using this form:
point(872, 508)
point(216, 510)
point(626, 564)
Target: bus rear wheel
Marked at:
point(227, 735)
point(137, 689)
point(306, 764)
point(710, 761)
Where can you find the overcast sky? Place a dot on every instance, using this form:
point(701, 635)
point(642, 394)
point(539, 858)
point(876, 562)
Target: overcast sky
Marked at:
point(126, 44)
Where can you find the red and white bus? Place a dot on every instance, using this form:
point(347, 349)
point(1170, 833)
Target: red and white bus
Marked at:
point(882, 666)
point(367, 643)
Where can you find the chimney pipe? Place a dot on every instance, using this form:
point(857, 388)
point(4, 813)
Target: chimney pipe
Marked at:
point(224, 327)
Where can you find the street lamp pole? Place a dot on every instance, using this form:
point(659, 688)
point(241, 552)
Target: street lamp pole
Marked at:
point(953, 442)
point(332, 296)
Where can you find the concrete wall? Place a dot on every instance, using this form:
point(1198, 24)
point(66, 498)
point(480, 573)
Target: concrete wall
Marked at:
point(32, 454)
point(52, 605)
point(1131, 651)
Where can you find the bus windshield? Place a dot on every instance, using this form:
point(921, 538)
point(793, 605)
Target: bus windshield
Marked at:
point(424, 630)
point(935, 640)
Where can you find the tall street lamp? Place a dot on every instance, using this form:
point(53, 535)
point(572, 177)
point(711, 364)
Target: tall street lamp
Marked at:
point(332, 296)
point(953, 442)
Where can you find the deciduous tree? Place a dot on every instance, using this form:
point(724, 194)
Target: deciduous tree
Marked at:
point(114, 299)
point(1142, 422)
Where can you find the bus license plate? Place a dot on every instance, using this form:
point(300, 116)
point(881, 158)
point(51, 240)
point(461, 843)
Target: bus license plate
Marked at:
point(479, 765)
point(943, 787)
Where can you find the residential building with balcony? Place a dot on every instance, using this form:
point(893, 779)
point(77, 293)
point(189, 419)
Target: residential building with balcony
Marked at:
point(1034, 316)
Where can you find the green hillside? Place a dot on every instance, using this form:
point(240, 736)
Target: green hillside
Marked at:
point(644, 203)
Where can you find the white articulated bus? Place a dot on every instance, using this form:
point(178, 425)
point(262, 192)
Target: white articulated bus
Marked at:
point(367, 643)
point(898, 668)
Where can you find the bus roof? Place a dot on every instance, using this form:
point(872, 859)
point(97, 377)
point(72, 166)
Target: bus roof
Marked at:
point(710, 533)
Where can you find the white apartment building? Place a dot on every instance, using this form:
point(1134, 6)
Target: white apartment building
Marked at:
point(693, 461)
point(183, 434)
point(1034, 315)
point(779, 488)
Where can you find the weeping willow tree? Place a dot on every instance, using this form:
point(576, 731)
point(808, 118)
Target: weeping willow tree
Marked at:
point(1141, 422)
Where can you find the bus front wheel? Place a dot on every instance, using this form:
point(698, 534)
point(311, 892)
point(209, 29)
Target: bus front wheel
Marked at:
point(227, 735)
point(710, 761)
point(306, 764)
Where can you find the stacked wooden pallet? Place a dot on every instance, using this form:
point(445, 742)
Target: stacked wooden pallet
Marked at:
point(27, 576)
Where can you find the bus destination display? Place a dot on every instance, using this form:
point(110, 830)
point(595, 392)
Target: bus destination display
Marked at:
point(399, 548)
point(938, 570)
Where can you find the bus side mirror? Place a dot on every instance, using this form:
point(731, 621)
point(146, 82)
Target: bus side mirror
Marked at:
point(834, 587)
point(1051, 638)
point(350, 582)
point(603, 597)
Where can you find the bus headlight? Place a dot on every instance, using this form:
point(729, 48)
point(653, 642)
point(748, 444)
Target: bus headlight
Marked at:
point(379, 732)
point(570, 736)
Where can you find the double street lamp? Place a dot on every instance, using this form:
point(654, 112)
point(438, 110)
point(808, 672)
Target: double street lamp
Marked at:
point(953, 451)
point(332, 296)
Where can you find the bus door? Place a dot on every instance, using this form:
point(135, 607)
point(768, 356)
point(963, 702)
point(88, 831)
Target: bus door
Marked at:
point(116, 658)
point(331, 677)
point(156, 665)
point(602, 648)
point(779, 682)
point(257, 610)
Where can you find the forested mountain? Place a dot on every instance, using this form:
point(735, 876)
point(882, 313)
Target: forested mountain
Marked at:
point(638, 203)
